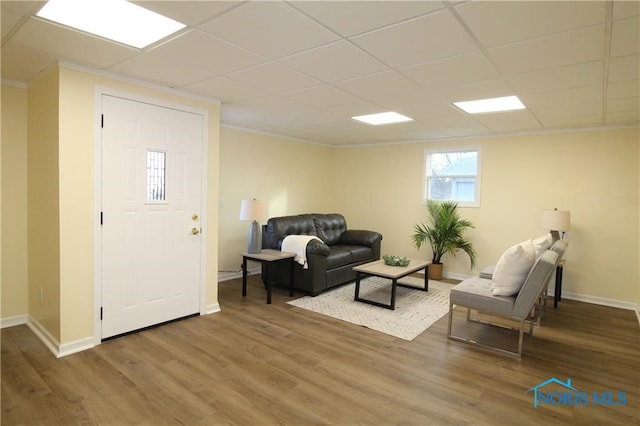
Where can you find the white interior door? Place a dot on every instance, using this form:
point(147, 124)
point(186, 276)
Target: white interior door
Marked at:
point(151, 186)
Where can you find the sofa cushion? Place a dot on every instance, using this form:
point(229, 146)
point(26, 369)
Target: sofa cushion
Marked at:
point(278, 228)
point(512, 269)
point(330, 227)
point(341, 255)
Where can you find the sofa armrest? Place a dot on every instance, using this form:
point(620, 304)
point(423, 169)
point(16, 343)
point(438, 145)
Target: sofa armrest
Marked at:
point(313, 247)
point(317, 247)
point(360, 237)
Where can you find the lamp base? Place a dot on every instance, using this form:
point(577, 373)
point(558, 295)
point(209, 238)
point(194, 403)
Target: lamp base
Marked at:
point(255, 245)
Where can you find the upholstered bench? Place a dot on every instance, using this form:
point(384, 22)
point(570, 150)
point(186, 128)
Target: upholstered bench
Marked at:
point(478, 294)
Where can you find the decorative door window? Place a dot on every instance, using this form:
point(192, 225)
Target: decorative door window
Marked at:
point(156, 175)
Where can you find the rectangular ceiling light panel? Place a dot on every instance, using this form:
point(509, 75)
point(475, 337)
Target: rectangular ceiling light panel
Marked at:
point(382, 118)
point(116, 20)
point(506, 103)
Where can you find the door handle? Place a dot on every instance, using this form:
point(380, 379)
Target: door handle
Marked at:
point(195, 231)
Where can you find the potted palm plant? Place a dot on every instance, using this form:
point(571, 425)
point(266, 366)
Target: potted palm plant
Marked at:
point(444, 232)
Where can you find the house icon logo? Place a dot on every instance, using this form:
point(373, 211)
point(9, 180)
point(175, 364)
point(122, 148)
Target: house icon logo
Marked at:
point(569, 395)
point(538, 394)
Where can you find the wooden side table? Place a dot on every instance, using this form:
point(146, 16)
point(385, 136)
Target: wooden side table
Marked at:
point(267, 257)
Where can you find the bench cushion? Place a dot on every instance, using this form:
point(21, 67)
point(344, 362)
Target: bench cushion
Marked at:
point(476, 293)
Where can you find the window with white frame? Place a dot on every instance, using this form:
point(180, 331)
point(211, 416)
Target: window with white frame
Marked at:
point(453, 175)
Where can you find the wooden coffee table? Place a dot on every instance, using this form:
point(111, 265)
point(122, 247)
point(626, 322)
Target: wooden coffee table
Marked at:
point(394, 273)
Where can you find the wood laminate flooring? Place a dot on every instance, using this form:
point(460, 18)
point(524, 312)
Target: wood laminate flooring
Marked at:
point(259, 364)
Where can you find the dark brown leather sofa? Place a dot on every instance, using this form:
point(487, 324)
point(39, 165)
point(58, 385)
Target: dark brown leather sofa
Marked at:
point(330, 262)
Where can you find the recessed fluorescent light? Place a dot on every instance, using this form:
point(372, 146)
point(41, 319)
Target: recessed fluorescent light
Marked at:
point(382, 118)
point(116, 20)
point(507, 103)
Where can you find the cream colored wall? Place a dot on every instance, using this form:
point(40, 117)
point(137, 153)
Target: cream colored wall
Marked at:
point(61, 216)
point(14, 202)
point(77, 137)
point(43, 202)
point(292, 176)
point(593, 174)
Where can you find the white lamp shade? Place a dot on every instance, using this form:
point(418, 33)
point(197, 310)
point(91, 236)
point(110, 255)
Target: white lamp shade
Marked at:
point(555, 220)
point(253, 210)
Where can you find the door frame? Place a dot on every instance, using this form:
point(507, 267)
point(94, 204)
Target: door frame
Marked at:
point(100, 91)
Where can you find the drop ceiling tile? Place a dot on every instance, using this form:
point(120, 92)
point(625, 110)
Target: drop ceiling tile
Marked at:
point(421, 99)
point(273, 78)
point(435, 113)
point(21, 6)
point(336, 61)
point(623, 89)
point(377, 86)
point(625, 37)
point(466, 131)
point(22, 64)
point(418, 40)
point(551, 114)
point(511, 121)
point(459, 69)
point(584, 74)
point(160, 70)
point(225, 89)
point(249, 117)
point(504, 22)
point(189, 12)
point(200, 50)
point(583, 45)
point(351, 109)
point(271, 29)
point(71, 45)
point(9, 19)
point(356, 17)
point(493, 88)
point(278, 105)
point(576, 95)
point(624, 68)
point(321, 96)
point(624, 117)
point(622, 105)
point(573, 121)
point(625, 9)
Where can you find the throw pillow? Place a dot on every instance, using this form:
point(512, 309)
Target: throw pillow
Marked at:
point(542, 244)
point(512, 269)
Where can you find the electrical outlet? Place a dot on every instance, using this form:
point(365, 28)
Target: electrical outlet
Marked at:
point(41, 294)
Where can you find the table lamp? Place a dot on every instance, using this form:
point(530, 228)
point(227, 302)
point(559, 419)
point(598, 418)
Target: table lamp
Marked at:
point(555, 220)
point(254, 211)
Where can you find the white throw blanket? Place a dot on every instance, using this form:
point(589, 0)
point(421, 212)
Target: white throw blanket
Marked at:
point(298, 244)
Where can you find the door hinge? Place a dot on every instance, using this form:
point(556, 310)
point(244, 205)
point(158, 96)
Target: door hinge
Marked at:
point(100, 313)
point(102, 121)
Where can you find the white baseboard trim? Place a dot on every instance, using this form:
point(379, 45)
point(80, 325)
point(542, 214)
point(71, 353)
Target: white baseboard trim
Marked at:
point(226, 276)
point(597, 300)
point(76, 346)
point(44, 335)
point(57, 349)
point(213, 308)
point(13, 321)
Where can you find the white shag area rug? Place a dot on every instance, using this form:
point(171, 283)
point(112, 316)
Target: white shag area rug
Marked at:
point(415, 310)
